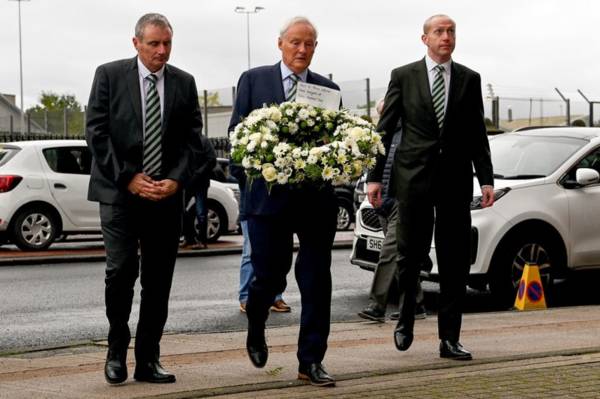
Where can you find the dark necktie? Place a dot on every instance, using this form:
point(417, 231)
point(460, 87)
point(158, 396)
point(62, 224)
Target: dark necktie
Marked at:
point(152, 139)
point(291, 94)
point(438, 94)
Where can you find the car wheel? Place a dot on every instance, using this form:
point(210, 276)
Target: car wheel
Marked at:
point(510, 259)
point(216, 223)
point(344, 216)
point(34, 229)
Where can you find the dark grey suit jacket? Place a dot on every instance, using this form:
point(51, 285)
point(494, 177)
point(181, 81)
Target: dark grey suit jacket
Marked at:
point(114, 129)
point(424, 150)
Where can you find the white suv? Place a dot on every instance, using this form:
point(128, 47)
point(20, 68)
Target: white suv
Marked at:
point(43, 194)
point(547, 211)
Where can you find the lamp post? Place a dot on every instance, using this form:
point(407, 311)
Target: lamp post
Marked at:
point(243, 10)
point(21, 69)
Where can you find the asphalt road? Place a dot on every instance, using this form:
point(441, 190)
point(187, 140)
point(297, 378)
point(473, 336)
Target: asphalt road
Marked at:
point(53, 305)
point(59, 304)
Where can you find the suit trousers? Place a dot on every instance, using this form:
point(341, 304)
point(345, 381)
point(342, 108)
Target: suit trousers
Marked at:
point(386, 272)
point(153, 228)
point(311, 214)
point(452, 220)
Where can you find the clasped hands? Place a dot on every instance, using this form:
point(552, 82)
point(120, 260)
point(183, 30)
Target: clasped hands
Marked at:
point(150, 189)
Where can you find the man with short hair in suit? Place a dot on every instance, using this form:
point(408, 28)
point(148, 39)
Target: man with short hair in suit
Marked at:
point(443, 137)
point(273, 218)
point(143, 130)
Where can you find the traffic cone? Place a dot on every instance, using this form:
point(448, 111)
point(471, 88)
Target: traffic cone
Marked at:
point(530, 294)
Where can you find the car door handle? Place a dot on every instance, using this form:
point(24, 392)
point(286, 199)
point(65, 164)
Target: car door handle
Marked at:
point(60, 186)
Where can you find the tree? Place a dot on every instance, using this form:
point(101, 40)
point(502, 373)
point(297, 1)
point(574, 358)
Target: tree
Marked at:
point(52, 110)
point(51, 101)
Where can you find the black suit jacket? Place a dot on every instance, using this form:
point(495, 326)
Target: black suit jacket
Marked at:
point(425, 152)
point(257, 87)
point(114, 129)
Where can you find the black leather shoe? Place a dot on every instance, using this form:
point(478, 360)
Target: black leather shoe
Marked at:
point(115, 369)
point(402, 339)
point(316, 374)
point(454, 350)
point(152, 372)
point(258, 352)
point(371, 313)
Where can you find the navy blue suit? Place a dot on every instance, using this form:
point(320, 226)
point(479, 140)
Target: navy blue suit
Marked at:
point(273, 218)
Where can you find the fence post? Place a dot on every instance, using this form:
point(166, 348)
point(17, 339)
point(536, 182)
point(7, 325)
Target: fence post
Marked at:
point(46, 121)
point(368, 97)
point(11, 125)
point(232, 97)
point(206, 113)
point(28, 123)
point(84, 119)
point(567, 106)
point(591, 105)
point(496, 112)
point(65, 123)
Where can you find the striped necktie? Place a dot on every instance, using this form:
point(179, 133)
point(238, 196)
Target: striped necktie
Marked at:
point(438, 95)
point(152, 139)
point(291, 94)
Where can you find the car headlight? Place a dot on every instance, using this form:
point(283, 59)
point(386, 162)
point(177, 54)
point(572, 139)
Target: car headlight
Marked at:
point(498, 193)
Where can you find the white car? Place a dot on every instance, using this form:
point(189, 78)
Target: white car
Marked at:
point(43, 194)
point(547, 212)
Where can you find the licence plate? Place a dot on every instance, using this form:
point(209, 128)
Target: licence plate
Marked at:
point(374, 244)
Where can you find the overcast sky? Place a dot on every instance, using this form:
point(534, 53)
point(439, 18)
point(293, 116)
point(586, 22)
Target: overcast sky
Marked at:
point(522, 47)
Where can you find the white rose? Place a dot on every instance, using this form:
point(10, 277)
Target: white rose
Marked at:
point(269, 172)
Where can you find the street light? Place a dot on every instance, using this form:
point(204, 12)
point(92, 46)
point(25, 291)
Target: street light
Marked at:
point(21, 70)
point(243, 10)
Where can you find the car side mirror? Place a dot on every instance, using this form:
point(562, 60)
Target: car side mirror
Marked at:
point(587, 176)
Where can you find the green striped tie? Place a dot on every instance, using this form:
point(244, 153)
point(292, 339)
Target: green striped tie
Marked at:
point(438, 94)
point(291, 95)
point(152, 139)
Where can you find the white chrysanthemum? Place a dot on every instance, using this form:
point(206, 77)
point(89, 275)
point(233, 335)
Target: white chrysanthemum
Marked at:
point(244, 140)
point(299, 164)
point(275, 115)
point(297, 152)
point(381, 148)
point(251, 146)
point(289, 112)
point(282, 178)
point(255, 137)
point(347, 169)
point(327, 173)
point(315, 151)
point(293, 127)
point(264, 144)
point(342, 158)
point(312, 159)
point(246, 163)
point(256, 164)
point(303, 114)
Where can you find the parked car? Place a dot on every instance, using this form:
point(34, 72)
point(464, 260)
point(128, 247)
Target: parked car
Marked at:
point(547, 212)
point(43, 194)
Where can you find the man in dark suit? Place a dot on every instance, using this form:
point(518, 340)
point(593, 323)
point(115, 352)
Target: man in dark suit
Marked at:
point(444, 137)
point(273, 218)
point(143, 129)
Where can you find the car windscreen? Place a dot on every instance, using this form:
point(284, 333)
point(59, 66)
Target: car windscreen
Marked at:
point(517, 156)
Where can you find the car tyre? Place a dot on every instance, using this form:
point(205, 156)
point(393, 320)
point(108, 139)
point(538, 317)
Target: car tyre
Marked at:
point(344, 216)
point(216, 221)
point(509, 261)
point(34, 229)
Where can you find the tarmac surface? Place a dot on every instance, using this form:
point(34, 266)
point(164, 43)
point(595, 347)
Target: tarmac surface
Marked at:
point(551, 353)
